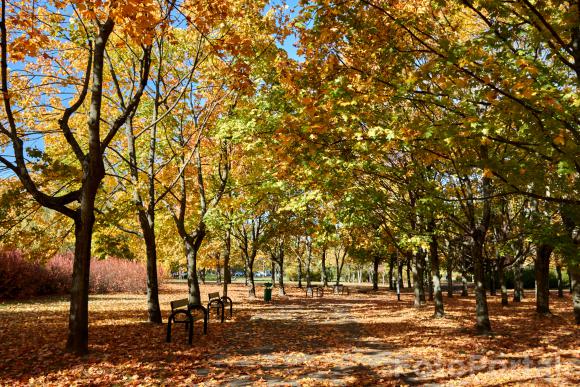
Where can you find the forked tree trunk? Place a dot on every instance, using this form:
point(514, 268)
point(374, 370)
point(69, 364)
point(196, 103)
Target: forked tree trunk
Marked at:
point(93, 173)
point(542, 270)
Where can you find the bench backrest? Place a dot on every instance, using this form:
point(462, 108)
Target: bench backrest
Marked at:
point(214, 295)
point(179, 303)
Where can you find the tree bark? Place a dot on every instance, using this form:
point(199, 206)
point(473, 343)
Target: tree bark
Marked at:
point(434, 260)
point(251, 284)
point(574, 274)
point(492, 289)
point(324, 277)
point(560, 282)
point(409, 284)
point(464, 289)
point(391, 269)
point(518, 283)
point(78, 327)
point(449, 278)
point(153, 308)
point(192, 245)
point(376, 262)
point(417, 281)
point(502, 282)
point(429, 277)
point(226, 253)
point(299, 273)
point(542, 270)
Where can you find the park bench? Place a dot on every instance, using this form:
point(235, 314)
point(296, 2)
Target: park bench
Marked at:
point(340, 289)
point(219, 304)
point(311, 290)
point(181, 314)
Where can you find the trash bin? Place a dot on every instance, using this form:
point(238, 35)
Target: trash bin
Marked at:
point(267, 291)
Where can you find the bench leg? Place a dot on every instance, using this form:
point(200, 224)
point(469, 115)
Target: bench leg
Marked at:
point(168, 339)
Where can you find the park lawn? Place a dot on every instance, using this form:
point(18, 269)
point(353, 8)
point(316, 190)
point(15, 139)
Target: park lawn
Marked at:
point(365, 338)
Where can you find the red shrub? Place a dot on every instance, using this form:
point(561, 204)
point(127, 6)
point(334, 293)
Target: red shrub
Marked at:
point(117, 275)
point(20, 278)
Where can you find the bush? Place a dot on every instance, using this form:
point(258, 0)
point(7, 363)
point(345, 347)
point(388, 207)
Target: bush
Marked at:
point(22, 278)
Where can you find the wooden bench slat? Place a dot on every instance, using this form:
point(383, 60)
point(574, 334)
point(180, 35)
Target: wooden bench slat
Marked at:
point(179, 303)
point(213, 295)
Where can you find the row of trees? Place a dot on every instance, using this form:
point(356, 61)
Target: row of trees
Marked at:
point(437, 133)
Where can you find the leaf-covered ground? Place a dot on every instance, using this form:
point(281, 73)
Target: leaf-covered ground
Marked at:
point(365, 338)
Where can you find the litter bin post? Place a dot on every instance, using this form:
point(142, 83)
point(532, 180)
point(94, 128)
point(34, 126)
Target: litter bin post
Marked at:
point(267, 291)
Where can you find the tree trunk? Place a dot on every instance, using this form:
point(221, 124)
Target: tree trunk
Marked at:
point(560, 283)
point(492, 289)
point(518, 283)
point(542, 270)
point(281, 289)
point(226, 254)
point(429, 276)
point(409, 285)
point(400, 274)
point(273, 273)
point(376, 262)
point(417, 273)
point(391, 269)
point(93, 173)
point(483, 324)
point(464, 289)
point(574, 274)
point(251, 284)
point(434, 260)
point(299, 273)
point(153, 308)
point(449, 278)
point(192, 245)
point(420, 282)
point(324, 277)
point(78, 326)
point(502, 283)
point(338, 271)
point(218, 269)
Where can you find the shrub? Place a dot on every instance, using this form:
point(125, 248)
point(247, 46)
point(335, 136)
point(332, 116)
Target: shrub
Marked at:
point(21, 278)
